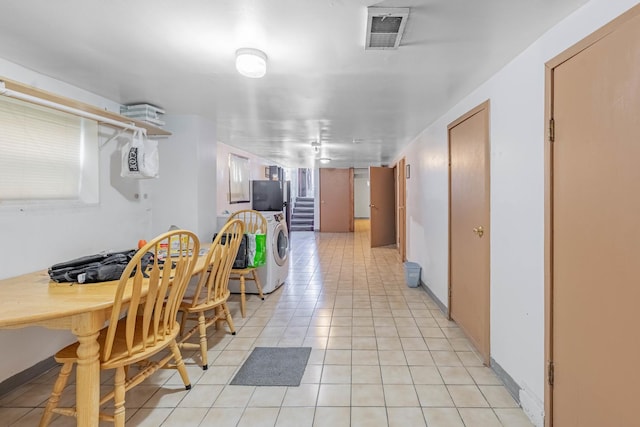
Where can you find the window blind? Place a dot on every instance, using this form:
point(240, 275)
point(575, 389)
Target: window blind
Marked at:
point(45, 154)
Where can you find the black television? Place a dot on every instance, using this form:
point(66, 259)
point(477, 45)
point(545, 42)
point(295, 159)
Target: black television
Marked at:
point(267, 195)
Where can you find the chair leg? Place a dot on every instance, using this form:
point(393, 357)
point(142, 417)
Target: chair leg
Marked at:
point(256, 278)
point(204, 347)
point(180, 365)
point(183, 321)
point(54, 399)
point(227, 316)
point(118, 398)
point(243, 299)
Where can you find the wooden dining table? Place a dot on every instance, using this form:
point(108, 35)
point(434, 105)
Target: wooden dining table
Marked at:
point(34, 300)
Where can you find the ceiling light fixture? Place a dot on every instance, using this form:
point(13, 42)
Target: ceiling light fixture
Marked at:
point(251, 62)
point(325, 160)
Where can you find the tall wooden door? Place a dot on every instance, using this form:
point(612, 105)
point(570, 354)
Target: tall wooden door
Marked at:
point(402, 209)
point(382, 201)
point(595, 241)
point(336, 200)
point(469, 226)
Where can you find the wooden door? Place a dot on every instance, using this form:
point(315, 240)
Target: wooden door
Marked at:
point(402, 212)
point(383, 206)
point(595, 240)
point(336, 200)
point(469, 226)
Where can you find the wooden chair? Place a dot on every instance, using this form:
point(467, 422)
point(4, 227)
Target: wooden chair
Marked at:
point(254, 223)
point(212, 289)
point(143, 323)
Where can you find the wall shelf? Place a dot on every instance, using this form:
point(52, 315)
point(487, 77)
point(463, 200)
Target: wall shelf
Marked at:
point(81, 106)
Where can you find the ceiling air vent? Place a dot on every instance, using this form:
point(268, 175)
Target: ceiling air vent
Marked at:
point(385, 27)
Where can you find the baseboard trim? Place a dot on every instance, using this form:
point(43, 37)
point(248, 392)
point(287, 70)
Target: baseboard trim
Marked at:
point(512, 387)
point(433, 296)
point(27, 375)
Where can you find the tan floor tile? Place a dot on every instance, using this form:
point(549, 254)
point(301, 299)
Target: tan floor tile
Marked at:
point(367, 395)
point(295, 417)
point(395, 374)
point(259, 417)
point(442, 417)
point(241, 343)
point(185, 417)
point(469, 358)
point(400, 395)
point(336, 374)
point(498, 396)
point(334, 395)
point(389, 343)
point(201, 396)
point(148, 417)
point(9, 416)
point(362, 321)
point(363, 331)
point(431, 332)
point(318, 331)
point(513, 417)
point(366, 374)
point(392, 357)
point(425, 375)
point(364, 357)
point(446, 358)
point(234, 396)
point(413, 344)
point(335, 342)
point(438, 344)
point(332, 417)
point(316, 357)
point(434, 396)
point(312, 374)
point(484, 376)
point(386, 331)
point(304, 395)
point(409, 332)
point(364, 343)
point(455, 375)
point(315, 342)
point(337, 357)
point(403, 417)
point(368, 417)
point(419, 358)
point(479, 417)
point(267, 397)
point(467, 396)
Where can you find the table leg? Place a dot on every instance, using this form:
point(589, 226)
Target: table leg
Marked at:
point(243, 299)
point(86, 329)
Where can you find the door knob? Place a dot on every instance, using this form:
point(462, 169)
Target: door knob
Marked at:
point(479, 231)
point(372, 206)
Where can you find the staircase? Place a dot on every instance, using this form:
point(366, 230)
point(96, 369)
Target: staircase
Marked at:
point(302, 214)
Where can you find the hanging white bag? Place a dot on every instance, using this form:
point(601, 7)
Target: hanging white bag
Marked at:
point(140, 157)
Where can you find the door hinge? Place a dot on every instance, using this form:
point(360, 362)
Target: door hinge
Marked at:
point(552, 129)
point(550, 373)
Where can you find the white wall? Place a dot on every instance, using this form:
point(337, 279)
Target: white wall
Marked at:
point(187, 180)
point(256, 165)
point(517, 142)
point(128, 210)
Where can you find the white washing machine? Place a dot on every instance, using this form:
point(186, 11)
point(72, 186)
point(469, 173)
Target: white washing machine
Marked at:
point(275, 271)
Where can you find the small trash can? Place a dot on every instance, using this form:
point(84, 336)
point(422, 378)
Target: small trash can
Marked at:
point(412, 274)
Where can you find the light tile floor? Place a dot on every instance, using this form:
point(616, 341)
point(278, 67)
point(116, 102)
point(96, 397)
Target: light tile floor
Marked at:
point(383, 354)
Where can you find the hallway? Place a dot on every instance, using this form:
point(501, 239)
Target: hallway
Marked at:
point(382, 354)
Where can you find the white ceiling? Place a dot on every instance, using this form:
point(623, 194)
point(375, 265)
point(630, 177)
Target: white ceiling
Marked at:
point(321, 84)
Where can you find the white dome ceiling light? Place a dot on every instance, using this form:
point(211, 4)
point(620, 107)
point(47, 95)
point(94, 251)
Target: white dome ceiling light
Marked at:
point(251, 62)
